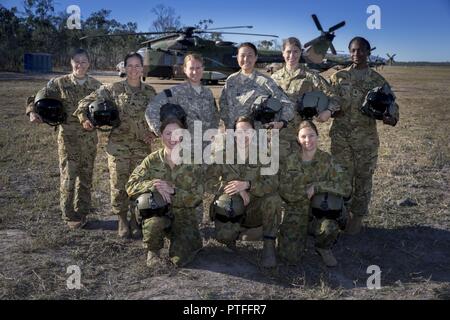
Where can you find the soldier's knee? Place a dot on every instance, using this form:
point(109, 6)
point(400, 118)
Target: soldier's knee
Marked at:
point(226, 232)
point(155, 226)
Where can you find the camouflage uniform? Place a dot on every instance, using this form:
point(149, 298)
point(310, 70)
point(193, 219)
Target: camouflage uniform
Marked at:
point(295, 177)
point(264, 208)
point(198, 107)
point(354, 136)
point(183, 230)
point(240, 92)
point(76, 147)
point(126, 147)
point(295, 84)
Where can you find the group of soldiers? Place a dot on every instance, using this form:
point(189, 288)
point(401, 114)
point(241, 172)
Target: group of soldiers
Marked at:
point(155, 197)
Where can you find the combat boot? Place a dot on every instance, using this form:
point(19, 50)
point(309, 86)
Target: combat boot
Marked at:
point(136, 231)
point(327, 257)
point(268, 256)
point(124, 230)
point(252, 234)
point(354, 224)
point(153, 258)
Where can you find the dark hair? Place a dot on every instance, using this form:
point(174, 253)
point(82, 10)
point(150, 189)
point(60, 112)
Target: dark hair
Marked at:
point(360, 40)
point(293, 42)
point(248, 45)
point(168, 121)
point(307, 124)
point(77, 52)
point(133, 55)
point(244, 119)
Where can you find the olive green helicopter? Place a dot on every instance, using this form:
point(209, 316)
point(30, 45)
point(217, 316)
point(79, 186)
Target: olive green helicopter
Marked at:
point(164, 55)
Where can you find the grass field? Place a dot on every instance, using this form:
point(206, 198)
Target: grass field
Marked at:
point(411, 244)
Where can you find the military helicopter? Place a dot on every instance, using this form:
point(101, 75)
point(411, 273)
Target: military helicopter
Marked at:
point(164, 55)
point(391, 61)
point(376, 61)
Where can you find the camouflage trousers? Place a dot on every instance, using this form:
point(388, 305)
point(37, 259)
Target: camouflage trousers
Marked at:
point(265, 212)
point(293, 232)
point(76, 150)
point(122, 160)
point(297, 224)
point(182, 232)
point(358, 156)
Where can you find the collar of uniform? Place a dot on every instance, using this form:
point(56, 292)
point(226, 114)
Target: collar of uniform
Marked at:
point(128, 87)
point(163, 160)
point(191, 87)
point(353, 67)
point(299, 72)
point(317, 156)
point(251, 77)
point(74, 79)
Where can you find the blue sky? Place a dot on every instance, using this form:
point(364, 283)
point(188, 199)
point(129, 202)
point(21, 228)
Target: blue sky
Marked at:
point(415, 30)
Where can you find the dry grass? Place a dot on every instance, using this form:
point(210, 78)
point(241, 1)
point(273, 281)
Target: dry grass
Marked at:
point(410, 244)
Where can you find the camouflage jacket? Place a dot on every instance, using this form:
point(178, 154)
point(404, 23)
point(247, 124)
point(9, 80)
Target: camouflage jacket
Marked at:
point(70, 92)
point(131, 105)
point(198, 107)
point(218, 175)
point(187, 180)
point(323, 172)
point(301, 81)
point(352, 91)
point(240, 92)
point(295, 84)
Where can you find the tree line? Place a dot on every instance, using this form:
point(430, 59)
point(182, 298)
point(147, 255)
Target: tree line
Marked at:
point(40, 29)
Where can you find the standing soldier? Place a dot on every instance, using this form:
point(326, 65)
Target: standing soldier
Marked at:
point(245, 200)
point(129, 143)
point(295, 79)
point(76, 147)
point(354, 136)
point(306, 173)
point(180, 188)
point(242, 89)
point(196, 100)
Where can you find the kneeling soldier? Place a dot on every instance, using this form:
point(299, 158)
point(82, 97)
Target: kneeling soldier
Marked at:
point(306, 173)
point(176, 190)
point(245, 199)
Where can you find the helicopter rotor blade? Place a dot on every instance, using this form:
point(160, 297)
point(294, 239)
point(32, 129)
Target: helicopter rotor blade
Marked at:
point(123, 34)
point(317, 22)
point(313, 42)
point(245, 34)
point(223, 28)
point(337, 26)
point(333, 50)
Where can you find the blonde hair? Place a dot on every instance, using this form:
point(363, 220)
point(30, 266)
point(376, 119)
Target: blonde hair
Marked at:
point(192, 56)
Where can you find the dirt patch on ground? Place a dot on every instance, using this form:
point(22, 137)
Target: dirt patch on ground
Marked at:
point(410, 244)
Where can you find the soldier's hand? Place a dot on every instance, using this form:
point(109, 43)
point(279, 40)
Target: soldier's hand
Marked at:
point(87, 125)
point(274, 125)
point(324, 116)
point(236, 186)
point(166, 196)
point(164, 186)
point(387, 119)
point(35, 118)
point(245, 196)
point(310, 191)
